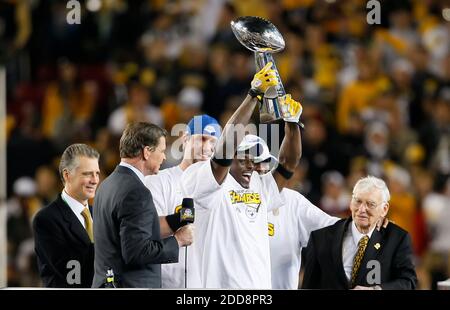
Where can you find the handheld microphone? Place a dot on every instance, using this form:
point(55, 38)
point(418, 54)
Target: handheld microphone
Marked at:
point(187, 211)
point(187, 216)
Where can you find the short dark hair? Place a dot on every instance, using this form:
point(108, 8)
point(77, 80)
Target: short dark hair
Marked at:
point(69, 158)
point(138, 135)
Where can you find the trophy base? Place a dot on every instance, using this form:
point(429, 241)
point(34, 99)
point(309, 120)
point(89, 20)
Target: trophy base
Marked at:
point(267, 118)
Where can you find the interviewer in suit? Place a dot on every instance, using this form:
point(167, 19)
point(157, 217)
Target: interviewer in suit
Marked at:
point(63, 229)
point(127, 231)
point(352, 254)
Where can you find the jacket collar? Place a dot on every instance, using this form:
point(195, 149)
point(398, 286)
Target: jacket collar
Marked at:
point(342, 227)
point(73, 223)
point(136, 171)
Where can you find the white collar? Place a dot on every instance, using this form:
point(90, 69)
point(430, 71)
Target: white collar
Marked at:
point(74, 204)
point(356, 235)
point(135, 170)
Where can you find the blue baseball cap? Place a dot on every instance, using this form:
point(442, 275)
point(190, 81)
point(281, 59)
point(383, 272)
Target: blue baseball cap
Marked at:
point(204, 125)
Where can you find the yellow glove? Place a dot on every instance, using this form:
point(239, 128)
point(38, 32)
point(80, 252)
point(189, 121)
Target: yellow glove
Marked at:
point(263, 79)
point(290, 109)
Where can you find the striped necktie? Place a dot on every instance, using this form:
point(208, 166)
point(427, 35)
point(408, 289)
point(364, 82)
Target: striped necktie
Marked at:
point(362, 245)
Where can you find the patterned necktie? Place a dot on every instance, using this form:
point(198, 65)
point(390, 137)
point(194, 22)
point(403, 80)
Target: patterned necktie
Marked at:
point(362, 245)
point(88, 221)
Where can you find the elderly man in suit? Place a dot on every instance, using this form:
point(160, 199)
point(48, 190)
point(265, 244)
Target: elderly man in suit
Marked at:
point(130, 238)
point(352, 254)
point(63, 230)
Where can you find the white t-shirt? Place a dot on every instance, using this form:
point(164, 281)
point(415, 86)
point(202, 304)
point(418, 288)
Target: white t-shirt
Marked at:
point(289, 229)
point(231, 243)
point(167, 197)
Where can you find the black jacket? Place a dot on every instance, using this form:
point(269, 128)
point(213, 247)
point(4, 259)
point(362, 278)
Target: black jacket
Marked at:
point(127, 233)
point(60, 238)
point(391, 247)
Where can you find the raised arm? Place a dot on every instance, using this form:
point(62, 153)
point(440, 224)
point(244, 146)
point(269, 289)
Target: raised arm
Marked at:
point(232, 135)
point(291, 147)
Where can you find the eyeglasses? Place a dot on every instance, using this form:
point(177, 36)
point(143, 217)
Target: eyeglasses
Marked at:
point(369, 204)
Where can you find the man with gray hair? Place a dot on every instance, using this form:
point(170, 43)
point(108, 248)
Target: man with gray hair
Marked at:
point(352, 254)
point(63, 230)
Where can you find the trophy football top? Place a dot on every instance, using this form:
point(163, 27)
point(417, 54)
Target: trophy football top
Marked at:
point(257, 34)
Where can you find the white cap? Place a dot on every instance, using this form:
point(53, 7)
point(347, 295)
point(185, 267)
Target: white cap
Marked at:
point(333, 177)
point(190, 97)
point(250, 141)
point(400, 175)
point(24, 186)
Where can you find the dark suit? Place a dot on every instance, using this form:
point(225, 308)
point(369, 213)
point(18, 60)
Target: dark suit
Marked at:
point(59, 238)
point(324, 268)
point(127, 233)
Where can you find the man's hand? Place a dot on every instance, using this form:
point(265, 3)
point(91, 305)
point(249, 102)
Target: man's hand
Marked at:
point(290, 109)
point(264, 79)
point(383, 222)
point(185, 235)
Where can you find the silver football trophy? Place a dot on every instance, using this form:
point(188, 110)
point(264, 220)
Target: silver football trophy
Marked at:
point(263, 38)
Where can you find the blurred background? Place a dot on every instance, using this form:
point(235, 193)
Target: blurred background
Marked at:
point(376, 98)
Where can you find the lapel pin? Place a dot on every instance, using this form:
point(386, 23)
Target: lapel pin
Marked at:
point(377, 245)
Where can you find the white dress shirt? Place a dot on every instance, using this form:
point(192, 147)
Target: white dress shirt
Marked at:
point(76, 207)
point(135, 170)
point(350, 247)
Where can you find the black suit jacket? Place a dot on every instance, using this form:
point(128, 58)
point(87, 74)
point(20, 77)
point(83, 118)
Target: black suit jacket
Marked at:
point(59, 238)
point(324, 268)
point(127, 233)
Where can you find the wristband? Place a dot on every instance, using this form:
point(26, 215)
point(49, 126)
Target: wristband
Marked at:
point(223, 162)
point(253, 93)
point(284, 172)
